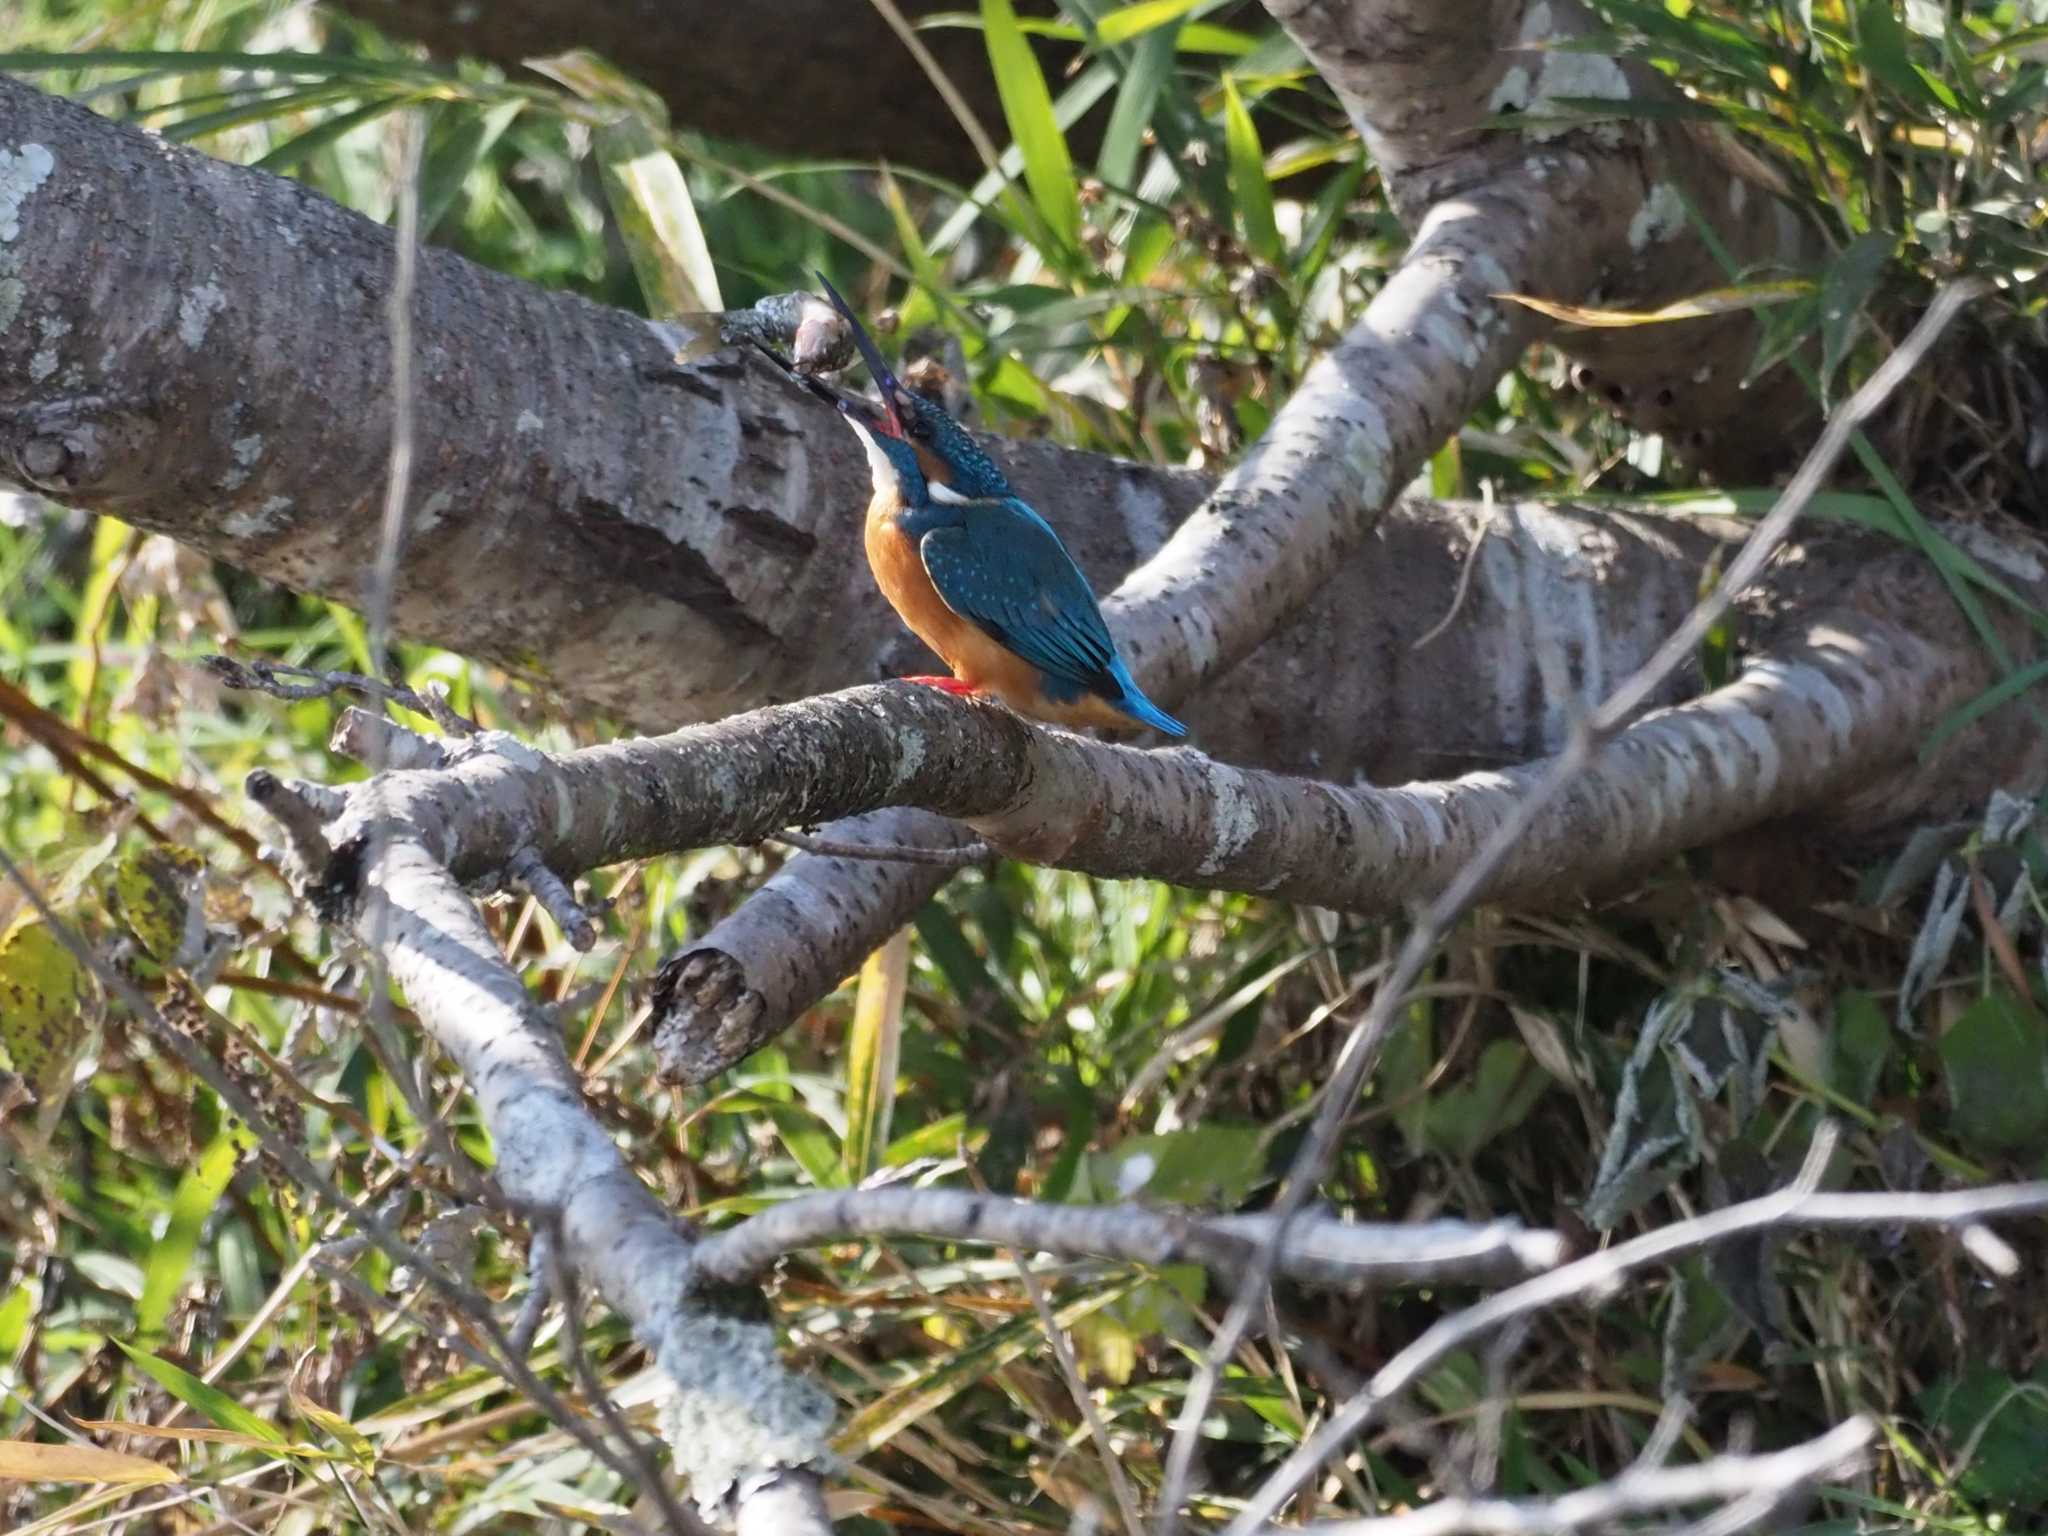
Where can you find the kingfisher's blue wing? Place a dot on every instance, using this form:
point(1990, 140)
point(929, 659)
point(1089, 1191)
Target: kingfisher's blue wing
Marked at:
point(999, 565)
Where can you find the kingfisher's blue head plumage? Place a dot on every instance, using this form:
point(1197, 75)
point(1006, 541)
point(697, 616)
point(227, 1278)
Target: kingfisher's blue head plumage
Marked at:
point(912, 436)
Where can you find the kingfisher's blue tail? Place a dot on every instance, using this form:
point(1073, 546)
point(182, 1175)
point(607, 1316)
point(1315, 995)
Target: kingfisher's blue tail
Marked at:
point(1139, 708)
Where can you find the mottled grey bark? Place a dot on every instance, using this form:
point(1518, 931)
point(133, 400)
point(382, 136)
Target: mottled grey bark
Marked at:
point(667, 552)
point(1824, 724)
point(1314, 1247)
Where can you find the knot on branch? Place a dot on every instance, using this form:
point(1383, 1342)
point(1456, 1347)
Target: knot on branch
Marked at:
point(82, 445)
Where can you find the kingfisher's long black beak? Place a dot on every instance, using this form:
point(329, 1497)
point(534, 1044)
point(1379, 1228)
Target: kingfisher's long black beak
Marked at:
point(885, 381)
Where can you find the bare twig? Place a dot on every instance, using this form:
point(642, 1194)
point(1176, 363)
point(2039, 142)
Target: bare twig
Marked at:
point(1791, 1209)
point(300, 810)
point(1487, 513)
point(372, 738)
point(530, 875)
point(1765, 1481)
point(562, 1282)
point(260, 675)
point(1063, 1353)
point(1317, 1248)
point(533, 1309)
point(1362, 1050)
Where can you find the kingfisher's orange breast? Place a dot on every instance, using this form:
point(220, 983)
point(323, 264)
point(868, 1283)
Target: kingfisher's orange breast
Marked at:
point(974, 656)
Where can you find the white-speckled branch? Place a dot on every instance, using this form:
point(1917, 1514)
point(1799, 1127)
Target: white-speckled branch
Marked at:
point(1314, 1247)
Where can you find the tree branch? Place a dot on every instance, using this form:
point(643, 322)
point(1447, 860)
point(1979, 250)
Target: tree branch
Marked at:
point(1791, 1209)
point(736, 1421)
point(1316, 1248)
point(1796, 731)
point(1764, 1481)
point(1418, 90)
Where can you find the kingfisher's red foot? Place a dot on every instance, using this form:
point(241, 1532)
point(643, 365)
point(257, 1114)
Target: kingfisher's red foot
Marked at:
point(951, 685)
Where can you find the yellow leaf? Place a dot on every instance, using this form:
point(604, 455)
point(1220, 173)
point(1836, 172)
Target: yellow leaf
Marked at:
point(30, 1461)
point(873, 1045)
point(1715, 301)
point(351, 1439)
point(46, 1015)
point(156, 892)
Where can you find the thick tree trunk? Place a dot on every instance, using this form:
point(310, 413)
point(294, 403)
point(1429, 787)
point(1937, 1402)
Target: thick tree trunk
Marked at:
point(822, 78)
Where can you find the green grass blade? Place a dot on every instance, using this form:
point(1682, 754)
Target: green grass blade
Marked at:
point(449, 162)
point(171, 1256)
point(260, 109)
point(986, 195)
point(195, 1394)
point(318, 66)
point(1027, 106)
point(874, 1044)
point(1124, 139)
point(324, 133)
point(1248, 182)
point(1127, 22)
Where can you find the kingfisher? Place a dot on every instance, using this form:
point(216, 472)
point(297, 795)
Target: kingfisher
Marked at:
point(975, 573)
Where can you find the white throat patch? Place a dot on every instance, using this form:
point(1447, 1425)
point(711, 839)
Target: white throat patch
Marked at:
point(886, 478)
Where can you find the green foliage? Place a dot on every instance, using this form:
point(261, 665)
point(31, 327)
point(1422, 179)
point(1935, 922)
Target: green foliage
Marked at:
point(1996, 1059)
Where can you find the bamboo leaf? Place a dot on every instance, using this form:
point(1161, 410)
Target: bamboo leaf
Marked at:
point(1248, 176)
point(199, 1397)
point(873, 1050)
point(1151, 64)
point(1850, 280)
point(1715, 301)
point(353, 1440)
point(171, 1255)
point(325, 132)
point(448, 163)
point(657, 219)
point(1129, 21)
point(644, 185)
point(1027, 106)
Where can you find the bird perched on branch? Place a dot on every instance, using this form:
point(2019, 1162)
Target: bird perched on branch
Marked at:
point(976, 574)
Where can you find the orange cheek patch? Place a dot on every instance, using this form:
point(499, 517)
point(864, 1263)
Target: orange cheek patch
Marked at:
point(935, 468)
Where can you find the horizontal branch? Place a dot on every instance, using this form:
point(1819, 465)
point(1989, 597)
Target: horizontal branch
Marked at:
point(1797, 731)
point(1314, 1247)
